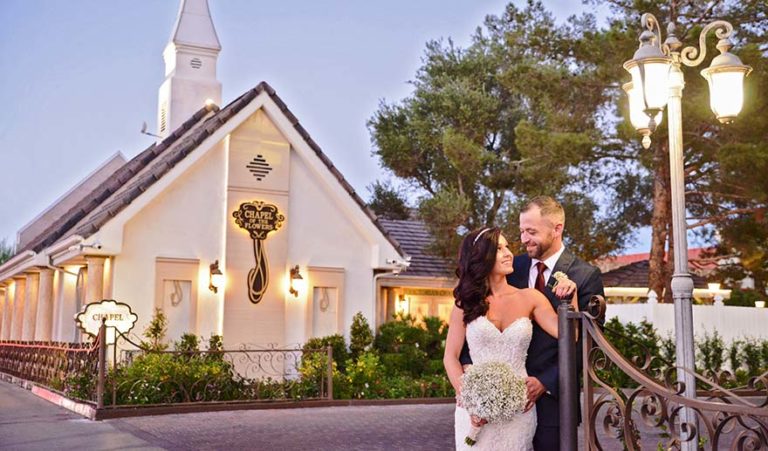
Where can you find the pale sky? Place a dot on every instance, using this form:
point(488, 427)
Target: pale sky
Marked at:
point(78, 77)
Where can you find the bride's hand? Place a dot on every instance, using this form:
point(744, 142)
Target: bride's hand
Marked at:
point(477, 421)
point(564, 289)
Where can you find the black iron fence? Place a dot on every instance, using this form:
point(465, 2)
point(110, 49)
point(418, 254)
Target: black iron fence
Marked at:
point(656, 414)
point(53, 364)
point(153, 377)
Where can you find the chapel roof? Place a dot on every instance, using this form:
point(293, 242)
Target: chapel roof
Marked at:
point(141, 172)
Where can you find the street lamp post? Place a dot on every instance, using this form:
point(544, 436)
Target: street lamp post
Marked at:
point(657, 81)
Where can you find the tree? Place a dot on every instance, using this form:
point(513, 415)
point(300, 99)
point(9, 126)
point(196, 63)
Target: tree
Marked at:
point(388, 202)
point(512, 116)
point(722, 163)
point(360, 335)
point(6, 251)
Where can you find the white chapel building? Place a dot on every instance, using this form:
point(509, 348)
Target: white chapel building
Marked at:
point(240, 190)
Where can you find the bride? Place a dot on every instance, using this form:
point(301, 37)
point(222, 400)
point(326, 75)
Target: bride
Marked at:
point(496, 320)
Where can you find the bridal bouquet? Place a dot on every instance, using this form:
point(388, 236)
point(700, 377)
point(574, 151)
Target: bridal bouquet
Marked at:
point(492, 391)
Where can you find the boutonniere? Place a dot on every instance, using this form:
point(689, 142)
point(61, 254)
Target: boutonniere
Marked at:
point(559, 276)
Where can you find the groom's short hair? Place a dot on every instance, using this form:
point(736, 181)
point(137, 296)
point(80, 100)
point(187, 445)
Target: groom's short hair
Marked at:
point(548, 206)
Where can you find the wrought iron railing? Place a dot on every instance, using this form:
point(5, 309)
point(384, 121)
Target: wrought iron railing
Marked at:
point(68, 367)
point(155, 377)
point(653, 411)
point(150, 377)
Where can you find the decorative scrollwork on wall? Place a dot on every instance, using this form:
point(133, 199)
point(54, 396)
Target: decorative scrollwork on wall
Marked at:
point(325, 300)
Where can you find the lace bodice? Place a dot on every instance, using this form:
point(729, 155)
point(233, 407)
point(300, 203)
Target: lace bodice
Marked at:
point(487, 343)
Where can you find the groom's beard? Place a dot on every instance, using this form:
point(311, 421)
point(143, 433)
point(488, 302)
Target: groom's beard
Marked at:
point(536, 250)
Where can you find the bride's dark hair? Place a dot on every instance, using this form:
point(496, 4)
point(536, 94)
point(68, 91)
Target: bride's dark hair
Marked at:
point(477, 255)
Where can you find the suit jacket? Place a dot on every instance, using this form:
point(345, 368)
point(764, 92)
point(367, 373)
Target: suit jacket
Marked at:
point(542, 353)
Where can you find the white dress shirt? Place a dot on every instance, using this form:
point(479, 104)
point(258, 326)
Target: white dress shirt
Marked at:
point(550, 262)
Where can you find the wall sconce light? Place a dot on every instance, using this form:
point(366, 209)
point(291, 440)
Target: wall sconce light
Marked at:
point(295, 275)
point(216, 277)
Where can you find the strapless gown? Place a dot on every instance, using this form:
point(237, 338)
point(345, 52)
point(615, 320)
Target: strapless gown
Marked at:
point(487, 343)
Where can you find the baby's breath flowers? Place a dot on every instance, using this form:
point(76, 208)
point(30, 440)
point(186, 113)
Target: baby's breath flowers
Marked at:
point(492, 391)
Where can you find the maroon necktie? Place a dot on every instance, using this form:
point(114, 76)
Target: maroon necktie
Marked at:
point(540, 283)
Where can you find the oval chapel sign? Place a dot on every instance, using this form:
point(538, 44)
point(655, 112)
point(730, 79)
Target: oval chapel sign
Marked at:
point(116, 314)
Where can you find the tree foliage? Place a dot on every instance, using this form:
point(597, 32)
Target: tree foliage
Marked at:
point(532, 107)
point(6, 251)
point(725, 196)
point(387, 201)
point(511, 116)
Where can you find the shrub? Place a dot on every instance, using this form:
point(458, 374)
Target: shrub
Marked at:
point(80, 386)
point(410, 360)
point(711, 353)
point(399, 333)
point(634, 341)
point(752, 358)
point(215, 346)
point(744, 298)
point(164, 378)
point(364, 376)
point(668, 349)
point(436, 367)
point(434, 339)
point(155, 332)
point(734, 355)
point(188, 343)
point(337, 344)
point(314, 374)
point(360, 335)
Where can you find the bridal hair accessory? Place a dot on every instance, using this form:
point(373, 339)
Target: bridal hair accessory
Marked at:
point(480, 234)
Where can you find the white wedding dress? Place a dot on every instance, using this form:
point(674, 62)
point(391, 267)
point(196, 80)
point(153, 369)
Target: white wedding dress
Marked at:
point(487, 343)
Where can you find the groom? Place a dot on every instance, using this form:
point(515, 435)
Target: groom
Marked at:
point(542, 221)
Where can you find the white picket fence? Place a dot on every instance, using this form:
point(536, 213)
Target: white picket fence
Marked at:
point(731, 323)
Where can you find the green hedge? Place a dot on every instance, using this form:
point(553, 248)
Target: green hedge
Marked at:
point(747, 357)
point(403, 360)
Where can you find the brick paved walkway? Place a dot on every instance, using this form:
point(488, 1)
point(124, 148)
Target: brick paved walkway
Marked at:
point(30, 423)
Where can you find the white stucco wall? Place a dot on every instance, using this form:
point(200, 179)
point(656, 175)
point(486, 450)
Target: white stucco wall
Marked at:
point(184, 221)
point(321, 234)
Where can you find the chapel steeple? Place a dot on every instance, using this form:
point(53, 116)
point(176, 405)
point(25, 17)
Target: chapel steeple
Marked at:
point(190, 67)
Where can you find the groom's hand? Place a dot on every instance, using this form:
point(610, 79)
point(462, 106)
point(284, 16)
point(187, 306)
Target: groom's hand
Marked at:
point(535, 390)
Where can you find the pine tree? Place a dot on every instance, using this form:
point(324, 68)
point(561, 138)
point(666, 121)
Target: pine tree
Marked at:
point(360, 335)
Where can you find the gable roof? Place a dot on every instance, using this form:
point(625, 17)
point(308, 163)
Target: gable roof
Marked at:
point(636, 275)
point(64, 203)
point(136, 176)
point(415, 238)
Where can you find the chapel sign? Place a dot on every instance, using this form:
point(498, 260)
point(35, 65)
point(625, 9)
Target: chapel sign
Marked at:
point(258, 219)
point(117, 315)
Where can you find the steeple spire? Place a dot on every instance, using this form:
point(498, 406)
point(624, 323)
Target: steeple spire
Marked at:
point(194, 26)
point(190, 67)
